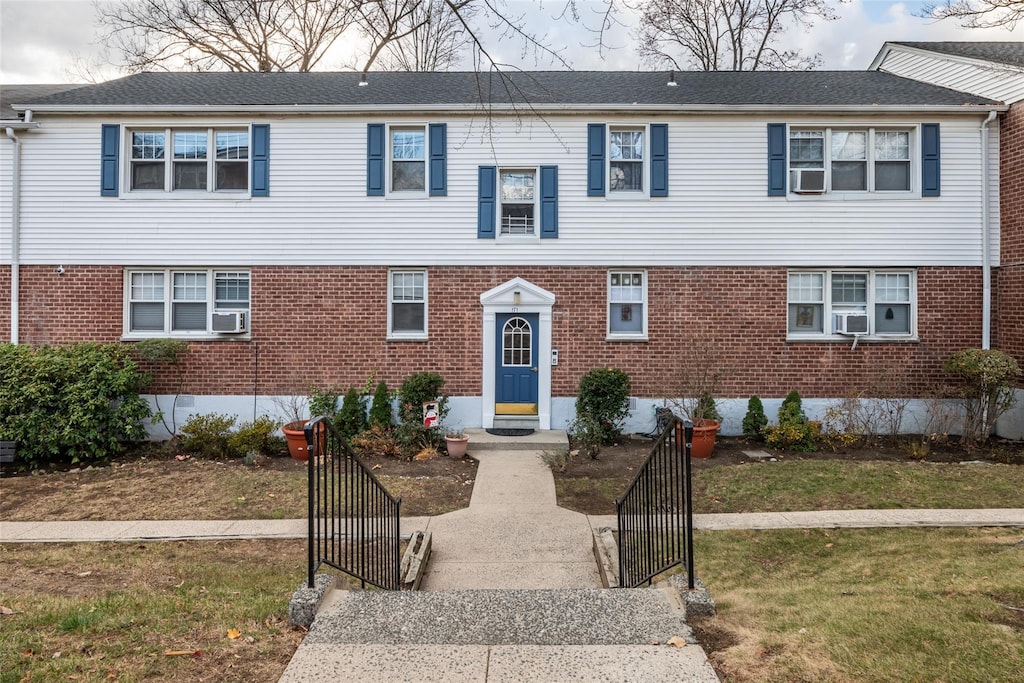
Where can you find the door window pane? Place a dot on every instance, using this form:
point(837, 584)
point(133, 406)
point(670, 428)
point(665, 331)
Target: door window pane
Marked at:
point(517, 342)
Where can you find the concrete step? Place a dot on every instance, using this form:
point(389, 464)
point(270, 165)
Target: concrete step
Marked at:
point(499, 664)
point(517, 422)
point(500, 617)
point(540, 440)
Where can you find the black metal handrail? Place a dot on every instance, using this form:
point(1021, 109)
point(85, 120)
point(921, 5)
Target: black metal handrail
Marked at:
point(353, 520)
point(655, 515)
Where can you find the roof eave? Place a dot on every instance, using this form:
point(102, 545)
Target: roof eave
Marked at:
point(963, 59)
point(512, 109)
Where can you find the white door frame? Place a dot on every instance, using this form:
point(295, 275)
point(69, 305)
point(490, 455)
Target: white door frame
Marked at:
point(517, 296)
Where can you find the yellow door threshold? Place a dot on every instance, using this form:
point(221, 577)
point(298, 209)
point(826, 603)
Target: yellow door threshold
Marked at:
point(515, 408)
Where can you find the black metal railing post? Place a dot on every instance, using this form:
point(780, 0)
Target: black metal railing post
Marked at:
point(655, 515)
point(350, 513)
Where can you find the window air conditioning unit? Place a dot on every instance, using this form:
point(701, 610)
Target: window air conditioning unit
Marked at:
point(231, 322)
point(807, 181)
point(850, 322)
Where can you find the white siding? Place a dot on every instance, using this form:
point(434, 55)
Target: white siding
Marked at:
point(318, 212)
point(994, 81)
point(6, 155)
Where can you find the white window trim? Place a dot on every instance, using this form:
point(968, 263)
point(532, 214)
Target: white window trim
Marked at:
point(409, 336)
point(625, 336)
point(869, 194)
point(628, 195)
point(211, 301)
point(407, 194)
point(828, 309)
point(535, 236)
point(210, 193)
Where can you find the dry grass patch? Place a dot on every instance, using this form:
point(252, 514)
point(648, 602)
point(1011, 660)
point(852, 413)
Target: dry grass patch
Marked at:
point(176, 612)
point(864, 605)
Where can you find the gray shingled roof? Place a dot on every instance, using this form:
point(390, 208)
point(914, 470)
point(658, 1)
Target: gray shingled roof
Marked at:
point(544, 88)
point(16, 94)
point(1011, 53)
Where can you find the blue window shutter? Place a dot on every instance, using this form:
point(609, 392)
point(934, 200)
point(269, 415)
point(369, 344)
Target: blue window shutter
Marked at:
point(438, 159)
point(109, 152)
point(375, 160)
point(595, 159)
point(487, 201)
point(260, 160)
point(931, 169)
point(776, 160)
point(549, 201)
point(659, 159)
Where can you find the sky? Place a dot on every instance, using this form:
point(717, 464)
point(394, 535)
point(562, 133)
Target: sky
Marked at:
point(47, 41)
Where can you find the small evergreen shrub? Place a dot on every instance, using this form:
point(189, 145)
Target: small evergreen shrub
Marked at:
point(208, 435)
point(706, 410)
point(794, 432)
point(352, 417)
point(380, 409)
point(70, 404)
point(255, 437)
point(602, 403)
point(755, 420)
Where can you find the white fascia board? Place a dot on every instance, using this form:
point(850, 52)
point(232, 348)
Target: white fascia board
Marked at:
point(880, 57)
point(935, 54)
point(718, 109)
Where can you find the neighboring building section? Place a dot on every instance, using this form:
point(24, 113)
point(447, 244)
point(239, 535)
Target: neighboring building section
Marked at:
point(994, 70)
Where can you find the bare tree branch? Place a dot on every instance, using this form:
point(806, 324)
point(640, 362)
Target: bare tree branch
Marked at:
point(726, 35)
point(977, 13)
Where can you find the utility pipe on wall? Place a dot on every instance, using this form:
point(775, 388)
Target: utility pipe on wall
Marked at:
point(15, 230)
point(986, 238)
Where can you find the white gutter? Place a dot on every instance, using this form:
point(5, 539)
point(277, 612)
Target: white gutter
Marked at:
point(986, 238)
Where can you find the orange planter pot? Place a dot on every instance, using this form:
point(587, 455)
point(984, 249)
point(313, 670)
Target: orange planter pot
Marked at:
point(703, 444)
point(295, 435)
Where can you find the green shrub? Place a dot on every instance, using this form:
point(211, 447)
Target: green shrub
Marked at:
point(255, 437)
point(587, 435)
point(324, 402)
point(418, 389)
point(380, 409)
point(602, 402)
point(794, 432)
point(706, 410)
point(352, 417)
point(755, 420)
point(75, 404)
point(208, 435)
point(987, 380)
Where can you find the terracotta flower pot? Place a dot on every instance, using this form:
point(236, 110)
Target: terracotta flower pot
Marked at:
point(456, 447)
point(295, 435)
point(703, 439)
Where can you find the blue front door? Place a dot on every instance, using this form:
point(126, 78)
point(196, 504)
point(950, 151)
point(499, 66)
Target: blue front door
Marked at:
point(516, 366)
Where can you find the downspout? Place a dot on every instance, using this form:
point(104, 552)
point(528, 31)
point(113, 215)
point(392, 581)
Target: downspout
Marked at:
point(15, 230)
point(986, 238)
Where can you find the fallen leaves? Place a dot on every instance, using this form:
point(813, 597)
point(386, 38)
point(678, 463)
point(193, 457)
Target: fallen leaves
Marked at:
point(234, 633)
point(676, 641)
point(183, 653)
point(6, 611)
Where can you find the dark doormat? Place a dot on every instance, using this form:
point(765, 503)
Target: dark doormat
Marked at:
point(510, 432)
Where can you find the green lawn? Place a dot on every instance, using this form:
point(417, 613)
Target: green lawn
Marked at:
point(823, 485)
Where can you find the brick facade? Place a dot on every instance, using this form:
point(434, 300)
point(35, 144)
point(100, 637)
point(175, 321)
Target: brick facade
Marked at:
point(327, 325)
point(1010, 311)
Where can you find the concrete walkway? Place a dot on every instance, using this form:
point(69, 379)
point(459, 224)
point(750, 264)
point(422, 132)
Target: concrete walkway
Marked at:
point(224, 530)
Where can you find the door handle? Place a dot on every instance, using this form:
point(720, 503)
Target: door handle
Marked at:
point(533, 369)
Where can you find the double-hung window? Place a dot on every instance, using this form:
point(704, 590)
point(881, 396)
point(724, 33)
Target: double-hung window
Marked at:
point(408, 159)
point(189, 160)
point(627, 304)
point(626, 157)
point(517, 192)
point(875, 303)
point(850, 160)
point(407, 304)
point(180, 302)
